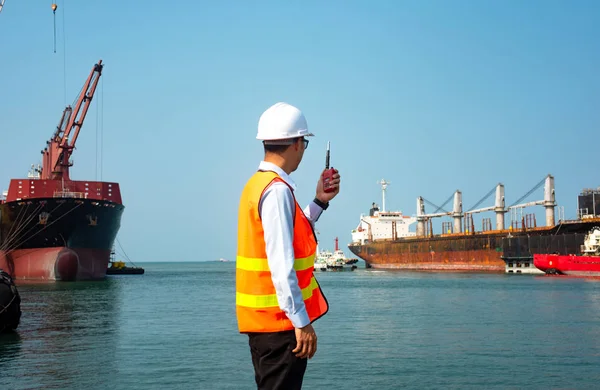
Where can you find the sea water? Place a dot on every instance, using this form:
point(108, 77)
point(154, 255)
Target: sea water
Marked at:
point(174, 328)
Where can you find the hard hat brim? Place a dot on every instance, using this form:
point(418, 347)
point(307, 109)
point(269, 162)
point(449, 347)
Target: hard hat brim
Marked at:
point(284, 136)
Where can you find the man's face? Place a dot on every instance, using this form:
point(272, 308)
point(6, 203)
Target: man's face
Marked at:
point(299, 147)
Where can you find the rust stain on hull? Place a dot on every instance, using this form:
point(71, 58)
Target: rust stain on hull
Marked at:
point(483, 260)
point(482, 254)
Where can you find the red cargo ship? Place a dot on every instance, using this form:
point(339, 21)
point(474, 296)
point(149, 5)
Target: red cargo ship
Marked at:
point(55, 228)
point(586, 264)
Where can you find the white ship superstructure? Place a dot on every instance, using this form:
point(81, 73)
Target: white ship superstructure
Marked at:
point(381, 224)
point(591, 243)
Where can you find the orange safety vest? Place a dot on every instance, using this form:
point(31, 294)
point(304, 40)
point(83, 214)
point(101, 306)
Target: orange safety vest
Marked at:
point(257, 307)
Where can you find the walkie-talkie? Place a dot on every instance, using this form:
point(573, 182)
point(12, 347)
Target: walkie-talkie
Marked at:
point(328, 174)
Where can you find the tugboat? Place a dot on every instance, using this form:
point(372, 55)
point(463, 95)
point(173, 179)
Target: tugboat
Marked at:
point(119, 267)
point(340, 261)
point(336, 261)
point(321, 260)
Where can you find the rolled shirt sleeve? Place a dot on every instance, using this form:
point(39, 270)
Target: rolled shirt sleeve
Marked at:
point(313, 212)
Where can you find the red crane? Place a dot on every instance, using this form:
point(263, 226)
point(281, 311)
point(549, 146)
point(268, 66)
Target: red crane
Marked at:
point(58, 151)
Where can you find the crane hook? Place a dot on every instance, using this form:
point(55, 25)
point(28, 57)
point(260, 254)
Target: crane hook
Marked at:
point(54, 7)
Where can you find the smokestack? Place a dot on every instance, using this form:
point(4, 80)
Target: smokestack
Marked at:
point(457, 211)
point(420, 218)
point(549, 200)
point(499, 207)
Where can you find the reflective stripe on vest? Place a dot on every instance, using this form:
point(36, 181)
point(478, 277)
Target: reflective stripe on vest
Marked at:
point(270, 300)
point(255, 264)
point(257, 306)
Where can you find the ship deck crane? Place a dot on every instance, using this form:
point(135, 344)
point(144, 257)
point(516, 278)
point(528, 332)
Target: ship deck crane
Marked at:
point(435, 215)
point(58, 151)
point(499, 208)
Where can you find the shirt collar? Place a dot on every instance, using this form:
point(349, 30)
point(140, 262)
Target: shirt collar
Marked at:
point(267, 166)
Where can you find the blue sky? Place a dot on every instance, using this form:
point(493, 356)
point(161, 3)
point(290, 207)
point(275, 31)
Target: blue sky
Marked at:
point(433, 96)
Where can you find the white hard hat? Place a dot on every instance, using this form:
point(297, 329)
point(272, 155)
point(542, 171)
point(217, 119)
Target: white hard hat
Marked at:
point(282, 121)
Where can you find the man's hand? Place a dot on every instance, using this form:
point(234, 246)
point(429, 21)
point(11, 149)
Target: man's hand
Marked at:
point(335, 182)
point(306, 342)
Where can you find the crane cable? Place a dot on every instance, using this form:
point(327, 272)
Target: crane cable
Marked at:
point(64, 54)
point(483, 199)
point(54, 7)
point(437, 208)
point(538, 185)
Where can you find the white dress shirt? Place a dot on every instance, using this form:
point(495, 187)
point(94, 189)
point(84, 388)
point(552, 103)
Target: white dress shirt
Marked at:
point(276, 208)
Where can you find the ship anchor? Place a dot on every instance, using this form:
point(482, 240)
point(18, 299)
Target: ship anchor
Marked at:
point(43, 217)
point(93, 220)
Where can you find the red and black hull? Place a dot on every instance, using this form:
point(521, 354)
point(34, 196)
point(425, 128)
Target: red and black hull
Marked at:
point(58, 238)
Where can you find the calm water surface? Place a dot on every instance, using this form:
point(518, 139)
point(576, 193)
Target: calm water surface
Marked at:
point(175, 328)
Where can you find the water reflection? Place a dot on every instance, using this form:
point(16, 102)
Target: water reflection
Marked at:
point(10, 346)
point(65, 333)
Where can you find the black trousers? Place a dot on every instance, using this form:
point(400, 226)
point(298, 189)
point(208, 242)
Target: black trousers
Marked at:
point(275, 366)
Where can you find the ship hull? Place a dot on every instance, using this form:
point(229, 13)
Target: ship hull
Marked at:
point(58, 239)
point(57, 263)
point(496, 251)
point(568, 264)
point(414, 256)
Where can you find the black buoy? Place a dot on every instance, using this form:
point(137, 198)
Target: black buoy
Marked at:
point(10, 303)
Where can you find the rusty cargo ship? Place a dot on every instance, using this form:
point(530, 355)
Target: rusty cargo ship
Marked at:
point(53, 227)
point(383, 239)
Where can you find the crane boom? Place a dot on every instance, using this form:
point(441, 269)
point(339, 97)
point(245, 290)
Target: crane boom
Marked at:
point(1, 4)
point(56, 163)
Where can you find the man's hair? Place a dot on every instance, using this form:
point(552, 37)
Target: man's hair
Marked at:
point(279, 146)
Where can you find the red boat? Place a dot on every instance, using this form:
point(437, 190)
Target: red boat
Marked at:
point(585, 264)
point(55, 228)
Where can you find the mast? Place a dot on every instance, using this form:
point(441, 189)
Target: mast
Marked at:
point(384, 185)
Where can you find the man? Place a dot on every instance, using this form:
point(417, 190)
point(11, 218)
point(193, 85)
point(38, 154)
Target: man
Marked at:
point(277, 295)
